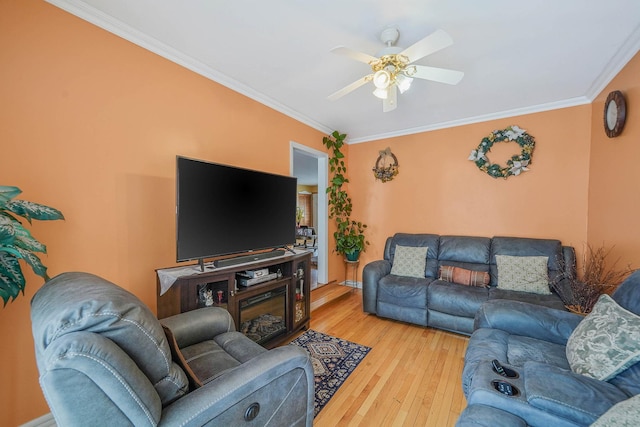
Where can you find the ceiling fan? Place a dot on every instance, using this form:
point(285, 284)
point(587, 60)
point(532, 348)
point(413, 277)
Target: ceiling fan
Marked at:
point(393, 70)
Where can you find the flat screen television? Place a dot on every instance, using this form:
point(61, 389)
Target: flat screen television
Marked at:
point(222, 210)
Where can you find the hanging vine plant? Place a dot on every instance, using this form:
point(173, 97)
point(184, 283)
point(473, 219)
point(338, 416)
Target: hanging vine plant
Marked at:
point(349, 234)
point(516, 164)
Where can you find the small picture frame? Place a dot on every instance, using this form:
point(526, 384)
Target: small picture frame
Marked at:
point(205, 295)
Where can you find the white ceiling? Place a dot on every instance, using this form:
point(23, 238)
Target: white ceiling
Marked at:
point(518, 56)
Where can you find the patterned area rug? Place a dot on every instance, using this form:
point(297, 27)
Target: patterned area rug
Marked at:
point(333, 361)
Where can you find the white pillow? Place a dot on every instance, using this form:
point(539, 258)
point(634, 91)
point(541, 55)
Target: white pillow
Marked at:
point(410, 261)
point(606, 342)
point(523, 273)
point(622, 414)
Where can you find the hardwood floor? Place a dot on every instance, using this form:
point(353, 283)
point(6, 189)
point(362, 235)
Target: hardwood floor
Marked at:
point(411, 376)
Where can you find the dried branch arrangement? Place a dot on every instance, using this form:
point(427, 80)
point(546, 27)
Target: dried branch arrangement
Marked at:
point(597, 276)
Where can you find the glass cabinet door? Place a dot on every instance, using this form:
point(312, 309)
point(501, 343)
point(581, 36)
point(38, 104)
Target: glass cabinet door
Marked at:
point(301, 293)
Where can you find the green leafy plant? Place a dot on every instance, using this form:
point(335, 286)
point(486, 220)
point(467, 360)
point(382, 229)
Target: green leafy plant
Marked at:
point(299, 214)
point(349, 234)
point(17, 243)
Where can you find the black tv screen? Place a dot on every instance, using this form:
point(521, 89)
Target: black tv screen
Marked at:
point(223, 210)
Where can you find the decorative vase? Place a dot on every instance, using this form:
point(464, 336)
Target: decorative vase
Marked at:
point(353, 256)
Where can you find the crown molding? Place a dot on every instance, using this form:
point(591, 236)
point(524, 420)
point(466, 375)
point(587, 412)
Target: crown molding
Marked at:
point(478, 119)
point(623, 55)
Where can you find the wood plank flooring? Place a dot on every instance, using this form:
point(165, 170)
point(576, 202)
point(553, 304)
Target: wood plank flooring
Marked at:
point(411, 377)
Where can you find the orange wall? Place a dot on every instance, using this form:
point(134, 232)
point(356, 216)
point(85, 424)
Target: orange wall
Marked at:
point(614, 185)
point(439, 191)
point(91, 124)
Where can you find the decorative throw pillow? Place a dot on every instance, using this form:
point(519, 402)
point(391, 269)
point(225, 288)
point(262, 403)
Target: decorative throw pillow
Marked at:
point(410, 261)
point(462, 276)
point(622, 414)
point(523, 273)
point(606, 342)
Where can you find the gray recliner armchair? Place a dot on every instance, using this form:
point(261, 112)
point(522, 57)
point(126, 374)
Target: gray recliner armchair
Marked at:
point(104, 359)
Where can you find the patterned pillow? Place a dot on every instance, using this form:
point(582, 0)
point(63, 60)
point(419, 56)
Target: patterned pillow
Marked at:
point(463, 276)
point(523, 273)
point(606, 342)
point(622, 414)
point(410, 261)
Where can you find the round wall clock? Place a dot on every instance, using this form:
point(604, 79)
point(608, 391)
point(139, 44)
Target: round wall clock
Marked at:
point(615, 114)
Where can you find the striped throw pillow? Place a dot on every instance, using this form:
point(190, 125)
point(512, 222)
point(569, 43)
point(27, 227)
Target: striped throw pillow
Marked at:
point(462, 276)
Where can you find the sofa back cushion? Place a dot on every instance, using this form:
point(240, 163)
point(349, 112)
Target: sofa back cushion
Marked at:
point(628, 293)
point(521, 246)
point(468, 252)
point(432, 241)
point(73, 302)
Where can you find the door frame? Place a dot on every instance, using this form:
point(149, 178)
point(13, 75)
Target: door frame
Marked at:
point(323, 210)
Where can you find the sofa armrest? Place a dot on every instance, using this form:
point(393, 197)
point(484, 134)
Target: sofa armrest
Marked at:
point(203, 324)
point(280, 381)
point(529, 320)
point(568, 395)
point(371, 274)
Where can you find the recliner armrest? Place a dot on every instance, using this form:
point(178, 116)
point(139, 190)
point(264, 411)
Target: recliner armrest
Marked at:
point(371, 274)
point(192, 327)
point(529, 320)
point(279, 380)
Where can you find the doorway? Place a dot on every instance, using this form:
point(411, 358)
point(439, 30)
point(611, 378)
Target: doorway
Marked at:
point(310, 166)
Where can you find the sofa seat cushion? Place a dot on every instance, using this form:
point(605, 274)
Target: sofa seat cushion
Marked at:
point(551, 300)
point(516, 350)
point(523, 349)
point(403, 291)
point(208, 360)
point(452, 298)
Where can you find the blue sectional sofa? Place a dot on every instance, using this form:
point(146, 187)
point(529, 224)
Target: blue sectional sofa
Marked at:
point(565, 370)
point(430, 301)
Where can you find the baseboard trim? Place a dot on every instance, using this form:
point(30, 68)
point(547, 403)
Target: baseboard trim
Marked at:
point(46, 420)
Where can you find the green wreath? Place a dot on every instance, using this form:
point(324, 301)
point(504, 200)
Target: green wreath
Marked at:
point(516, 164)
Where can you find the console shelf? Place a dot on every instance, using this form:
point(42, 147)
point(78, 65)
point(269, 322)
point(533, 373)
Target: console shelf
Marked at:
point(280, 306)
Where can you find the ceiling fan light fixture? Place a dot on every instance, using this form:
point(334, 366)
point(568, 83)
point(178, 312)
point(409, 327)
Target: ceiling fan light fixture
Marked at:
point(403, 82)
point(382, 79)
point(381, 93)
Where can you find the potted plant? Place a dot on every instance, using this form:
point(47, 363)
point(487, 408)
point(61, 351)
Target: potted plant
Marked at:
point(350, 239)
point(16, 242)
point(597, 276)
point(299, 215)
point(349, 234)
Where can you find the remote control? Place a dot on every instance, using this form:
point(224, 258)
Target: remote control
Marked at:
point(498, 367)
point(505, 388)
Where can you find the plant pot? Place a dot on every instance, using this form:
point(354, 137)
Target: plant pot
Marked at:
point(352, 256)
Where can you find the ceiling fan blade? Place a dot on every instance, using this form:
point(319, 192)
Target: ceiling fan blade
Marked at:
point(353, 86)
point(353, 54)
point(442, 75)
point(428, 45)
point(391, 101)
